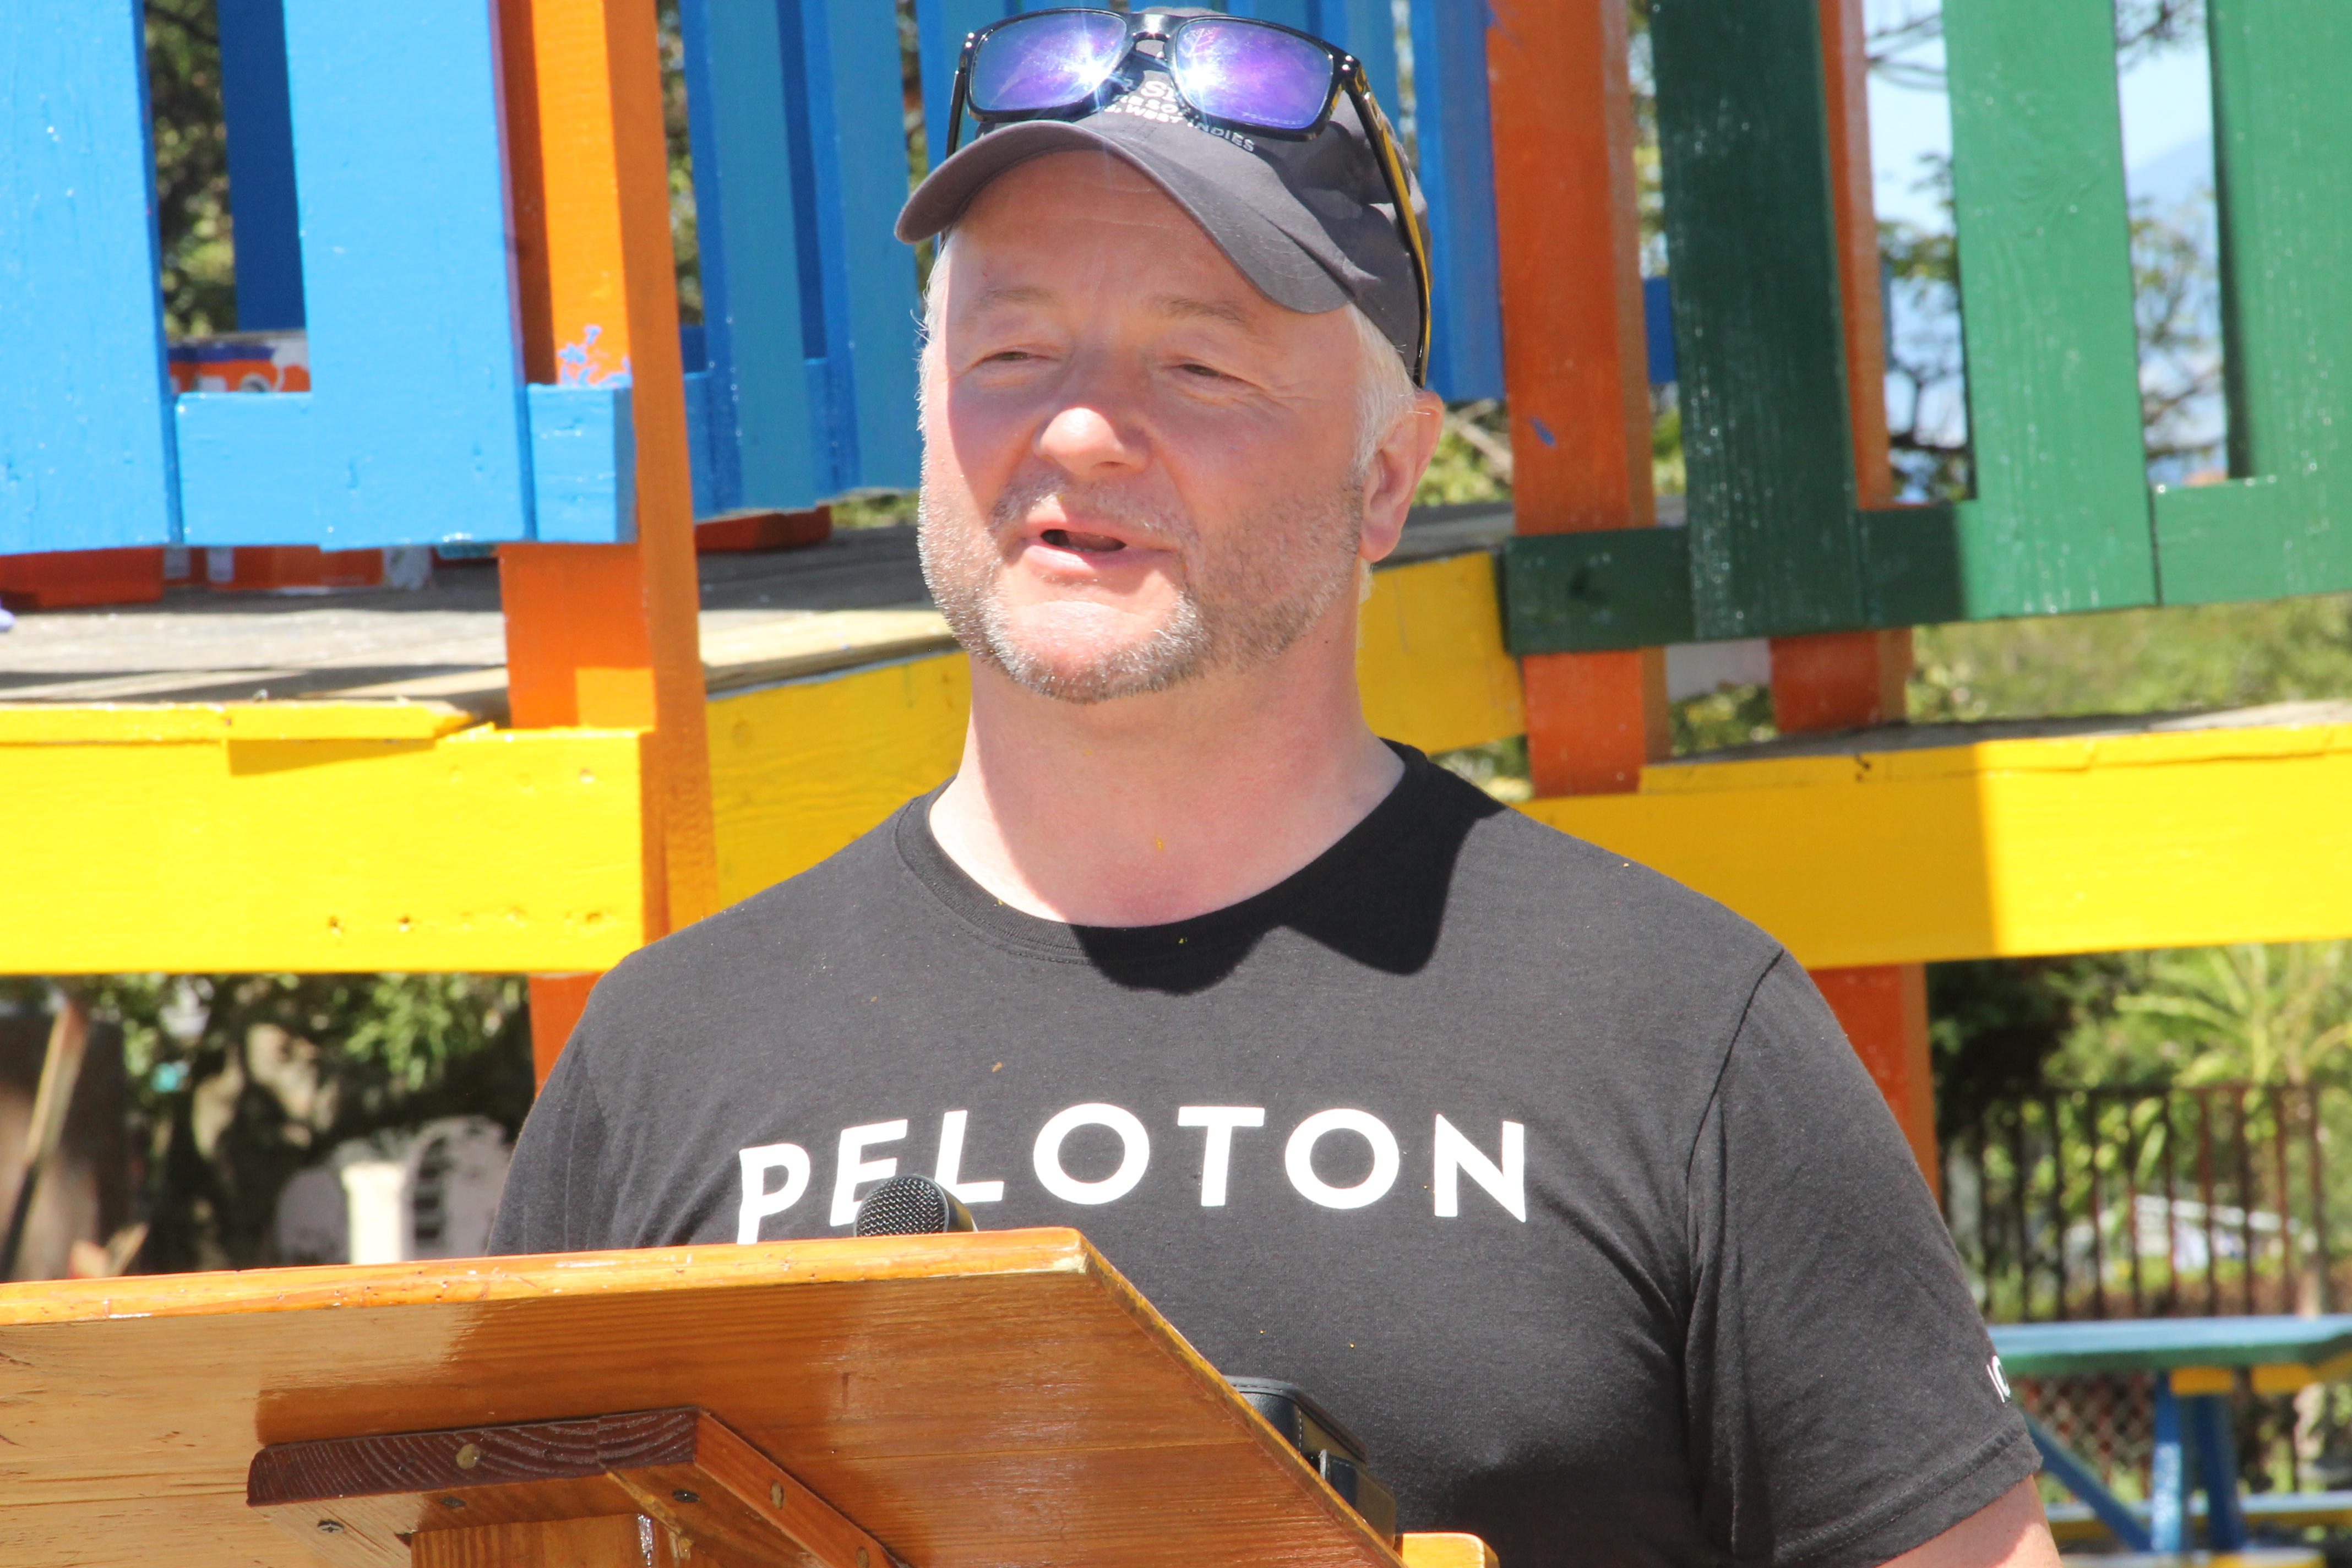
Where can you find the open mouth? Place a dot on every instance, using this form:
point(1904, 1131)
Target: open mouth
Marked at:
point(1087, 544)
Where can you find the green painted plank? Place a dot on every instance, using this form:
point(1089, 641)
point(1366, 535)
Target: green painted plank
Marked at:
point(2061, 520)
point(1911, 566)
point(1580, 592)
point(2250, 539)
point(1757, 341)
point(2283, 122)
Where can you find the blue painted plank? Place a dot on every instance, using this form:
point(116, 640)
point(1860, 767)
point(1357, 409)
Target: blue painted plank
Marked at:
point(857, 146)
point(2168, 1490)
point(701, 461)
point(1366, 30)
point(1304, 15)
point(415, 431)
point(1658, 328)
point(2216, 1471)
point(763, 447)
point(1457, 177)
point(259, 115)
point(2084, 1482)
point(583, 464)
point(85, 408)
point(2147, 1344)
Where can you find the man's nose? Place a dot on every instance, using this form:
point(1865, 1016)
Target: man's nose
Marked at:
point(1086, 438)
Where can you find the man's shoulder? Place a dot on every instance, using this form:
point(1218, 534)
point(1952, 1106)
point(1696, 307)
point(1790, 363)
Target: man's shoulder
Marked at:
point(1521, 882)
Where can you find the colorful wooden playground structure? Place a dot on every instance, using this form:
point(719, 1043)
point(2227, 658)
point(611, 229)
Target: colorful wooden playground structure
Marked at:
point(463, 212)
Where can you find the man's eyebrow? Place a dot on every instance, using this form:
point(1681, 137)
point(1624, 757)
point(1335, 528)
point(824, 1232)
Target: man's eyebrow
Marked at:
point(1185, 306)
point(1012, 294)
point(1181, 306)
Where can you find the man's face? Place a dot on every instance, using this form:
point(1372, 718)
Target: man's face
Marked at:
point(1137, 469)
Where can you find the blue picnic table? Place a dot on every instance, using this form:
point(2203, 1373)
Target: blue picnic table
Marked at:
point(2195, 1363)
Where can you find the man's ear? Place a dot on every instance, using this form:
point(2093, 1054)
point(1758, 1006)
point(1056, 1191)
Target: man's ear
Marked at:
point(1402, 458)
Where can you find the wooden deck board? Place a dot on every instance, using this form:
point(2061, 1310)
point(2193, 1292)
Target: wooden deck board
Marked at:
point(857, 599)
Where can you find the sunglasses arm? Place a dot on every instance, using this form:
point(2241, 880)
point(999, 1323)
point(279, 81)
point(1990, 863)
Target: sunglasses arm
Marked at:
point(1391, 161)
point(956, 99)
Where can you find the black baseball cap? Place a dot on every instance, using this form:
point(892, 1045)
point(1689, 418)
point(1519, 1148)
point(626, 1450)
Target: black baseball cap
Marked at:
point(1310, 221)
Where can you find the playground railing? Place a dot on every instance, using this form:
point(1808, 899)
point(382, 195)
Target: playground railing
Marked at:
point(1781, 539)
point(2155, 1202)
point(377, 212)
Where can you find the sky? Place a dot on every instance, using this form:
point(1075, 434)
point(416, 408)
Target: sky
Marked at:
point(2168, 116)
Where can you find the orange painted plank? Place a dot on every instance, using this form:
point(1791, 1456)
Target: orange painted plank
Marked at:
point(1845, 68)
point(71, 579)
point(556, 1003)
point(1883, 1011)
point(1842, 680)
point(1574, 361)
point(1594, 720)
point(1839, 680)
point(605, 634)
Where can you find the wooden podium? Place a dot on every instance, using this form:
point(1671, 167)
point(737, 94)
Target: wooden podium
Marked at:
point(992, 1400)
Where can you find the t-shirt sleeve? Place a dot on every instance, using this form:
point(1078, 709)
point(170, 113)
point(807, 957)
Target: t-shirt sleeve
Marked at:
point(554, 1199)
point(1841, 1405)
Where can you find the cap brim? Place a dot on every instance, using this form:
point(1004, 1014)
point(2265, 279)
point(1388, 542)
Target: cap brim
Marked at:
point(1211, 182)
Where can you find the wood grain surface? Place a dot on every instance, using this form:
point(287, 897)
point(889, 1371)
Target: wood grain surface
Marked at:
point(468, 1457)
point(363, 1502)
point(999, 1398)
point(575, 1544)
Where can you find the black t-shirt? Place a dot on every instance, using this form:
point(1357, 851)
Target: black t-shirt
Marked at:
point(1553, 1180)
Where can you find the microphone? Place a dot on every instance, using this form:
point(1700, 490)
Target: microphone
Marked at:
point(911, 1206)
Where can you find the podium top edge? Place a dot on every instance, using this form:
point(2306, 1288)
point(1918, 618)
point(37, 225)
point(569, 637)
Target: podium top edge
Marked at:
point(716, 1266)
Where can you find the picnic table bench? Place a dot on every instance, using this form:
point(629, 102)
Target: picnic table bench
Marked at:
point(2194, 1364)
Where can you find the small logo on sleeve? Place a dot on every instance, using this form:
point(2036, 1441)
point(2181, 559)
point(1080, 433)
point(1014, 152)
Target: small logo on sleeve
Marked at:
point(2000, 1383)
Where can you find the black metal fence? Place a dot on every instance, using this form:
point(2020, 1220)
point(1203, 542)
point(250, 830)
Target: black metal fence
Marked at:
point(2149, 1201)
point(2162, 1203)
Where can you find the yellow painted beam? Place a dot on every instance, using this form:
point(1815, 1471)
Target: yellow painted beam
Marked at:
point(1430, 658)
point(2068, 845)
point(799, 770)
point(141, 841)
point(138, 723)
point(2203, 1380)
point(355, 835)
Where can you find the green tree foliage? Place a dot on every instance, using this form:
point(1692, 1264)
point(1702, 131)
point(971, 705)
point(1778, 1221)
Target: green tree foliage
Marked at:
point(2179, 659)
point(2247, 1013)
point(192, 211)
point(238, 1081)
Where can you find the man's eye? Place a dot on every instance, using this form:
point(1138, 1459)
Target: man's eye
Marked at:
point(1207, 373)
point(1008, 356)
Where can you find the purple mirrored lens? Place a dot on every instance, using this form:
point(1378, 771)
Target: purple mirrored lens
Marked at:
point(1045, 61)
point(1233, 71)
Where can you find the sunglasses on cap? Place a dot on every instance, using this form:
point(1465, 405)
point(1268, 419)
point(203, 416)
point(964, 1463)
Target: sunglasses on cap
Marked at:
point(1232, 71)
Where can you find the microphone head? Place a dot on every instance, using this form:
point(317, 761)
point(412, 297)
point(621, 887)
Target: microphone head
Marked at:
point(911, 1206)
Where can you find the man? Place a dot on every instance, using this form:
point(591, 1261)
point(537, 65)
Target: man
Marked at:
point(1554, 1180)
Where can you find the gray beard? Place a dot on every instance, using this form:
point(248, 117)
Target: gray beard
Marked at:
point(1237, 610)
